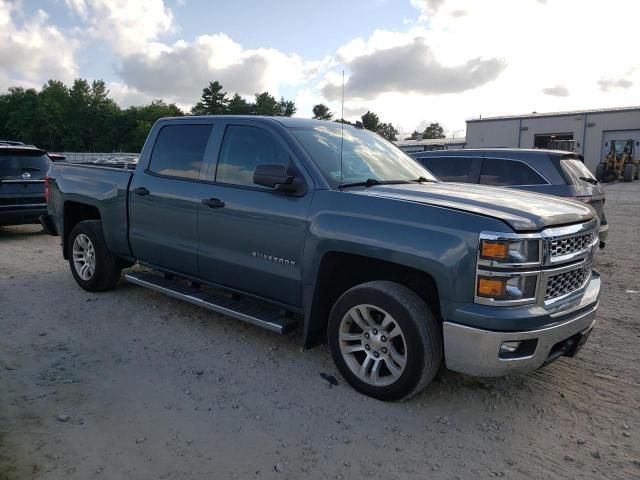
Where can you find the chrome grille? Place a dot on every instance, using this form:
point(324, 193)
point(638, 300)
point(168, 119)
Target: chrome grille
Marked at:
point(559, 247)
point(567, 282)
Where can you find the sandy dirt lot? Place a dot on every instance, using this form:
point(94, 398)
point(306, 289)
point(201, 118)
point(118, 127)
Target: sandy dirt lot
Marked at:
point(131, 384)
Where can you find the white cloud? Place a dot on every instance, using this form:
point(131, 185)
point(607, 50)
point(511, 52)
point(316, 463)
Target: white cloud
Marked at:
point(179, 72)
point(414, 70)
point(556, 91)
point(607, 84)
point(34, 51)
point(555, 60)
point(127, 25)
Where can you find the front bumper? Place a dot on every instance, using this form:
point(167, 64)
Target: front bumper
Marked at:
point(603, 233)
point(477, 352)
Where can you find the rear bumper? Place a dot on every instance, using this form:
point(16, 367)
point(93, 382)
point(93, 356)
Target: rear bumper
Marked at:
point(477, 352)
point(21, 214)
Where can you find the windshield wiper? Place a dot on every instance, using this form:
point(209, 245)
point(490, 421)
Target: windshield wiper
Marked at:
point(424, 179)
point(592, 181)
point(370, 182)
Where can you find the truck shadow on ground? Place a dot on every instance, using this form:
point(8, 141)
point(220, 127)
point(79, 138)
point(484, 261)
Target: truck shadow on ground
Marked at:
point(13, 232)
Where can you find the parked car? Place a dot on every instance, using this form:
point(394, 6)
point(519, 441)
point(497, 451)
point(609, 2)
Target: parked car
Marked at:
point(552, 172)
point(22, 172)
point(285, 223)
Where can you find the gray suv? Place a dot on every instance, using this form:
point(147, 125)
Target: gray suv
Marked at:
point(552, 172)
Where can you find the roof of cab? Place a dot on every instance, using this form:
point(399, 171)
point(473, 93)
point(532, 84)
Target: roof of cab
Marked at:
point(289, 122)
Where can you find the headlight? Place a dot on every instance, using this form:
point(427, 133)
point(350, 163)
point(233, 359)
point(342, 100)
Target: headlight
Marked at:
point(506, 288)
point(508, 268)
point(509, 251)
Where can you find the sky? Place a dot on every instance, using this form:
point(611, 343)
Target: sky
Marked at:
point(412, 62)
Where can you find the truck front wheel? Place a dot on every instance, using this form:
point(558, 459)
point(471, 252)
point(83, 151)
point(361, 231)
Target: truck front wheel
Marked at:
point(384, 340)
point(92, 265)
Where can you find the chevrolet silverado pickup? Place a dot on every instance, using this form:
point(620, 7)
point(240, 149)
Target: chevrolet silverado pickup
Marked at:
point(289, 223)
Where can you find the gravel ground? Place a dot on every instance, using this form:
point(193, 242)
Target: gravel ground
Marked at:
point(131, 384)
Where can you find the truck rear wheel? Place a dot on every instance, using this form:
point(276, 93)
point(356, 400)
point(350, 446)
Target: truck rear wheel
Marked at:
point(92, 265)
point(600, 169)
point(628, 172)
point(384, 340)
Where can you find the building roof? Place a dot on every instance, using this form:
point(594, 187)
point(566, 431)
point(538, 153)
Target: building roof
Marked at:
point(432, 141)
point(557, 114)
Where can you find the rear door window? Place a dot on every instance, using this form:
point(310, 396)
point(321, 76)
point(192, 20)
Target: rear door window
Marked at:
point(449, 169)
point(508, 172)
point(23, 165)
point(179, 150)
point(576, 173)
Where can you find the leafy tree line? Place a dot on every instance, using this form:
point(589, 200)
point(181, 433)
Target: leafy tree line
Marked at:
point(78, 118)
point(370, 121)
point(433, 130)
point(214, 101)
point(82, 118)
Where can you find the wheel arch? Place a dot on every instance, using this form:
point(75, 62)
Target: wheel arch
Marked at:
point(340, 271)
point(74, 213)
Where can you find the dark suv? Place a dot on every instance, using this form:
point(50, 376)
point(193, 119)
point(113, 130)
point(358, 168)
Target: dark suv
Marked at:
point(22, 172)
point(545, 171)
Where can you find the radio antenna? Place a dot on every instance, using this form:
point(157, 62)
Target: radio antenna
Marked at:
point(341, 129)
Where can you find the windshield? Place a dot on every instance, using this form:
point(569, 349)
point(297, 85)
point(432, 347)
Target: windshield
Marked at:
point(365, 155)
point(15, 164)
point(575, 172)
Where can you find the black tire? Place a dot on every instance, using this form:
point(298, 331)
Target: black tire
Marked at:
point(107, 267)
point(628, 172)
point(600, 169)
point(421, 331)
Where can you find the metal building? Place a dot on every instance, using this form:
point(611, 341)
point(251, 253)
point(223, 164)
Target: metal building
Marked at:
point(429, 144)
point(589, 132)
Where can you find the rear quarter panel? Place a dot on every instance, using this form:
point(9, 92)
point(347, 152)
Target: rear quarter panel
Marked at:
point(101, 187)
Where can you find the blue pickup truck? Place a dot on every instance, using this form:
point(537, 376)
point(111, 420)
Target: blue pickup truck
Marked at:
point(289, 223)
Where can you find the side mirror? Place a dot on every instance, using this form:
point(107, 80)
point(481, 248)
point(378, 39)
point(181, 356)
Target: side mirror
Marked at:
point(280, 178)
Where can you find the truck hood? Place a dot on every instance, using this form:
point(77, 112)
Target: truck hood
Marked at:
point(522, 211)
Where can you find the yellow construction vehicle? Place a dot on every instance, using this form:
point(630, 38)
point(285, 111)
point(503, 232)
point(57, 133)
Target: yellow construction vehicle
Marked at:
point(619, 163)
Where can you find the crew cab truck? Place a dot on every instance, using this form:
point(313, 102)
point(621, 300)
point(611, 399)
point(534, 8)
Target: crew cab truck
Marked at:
point(290, 223)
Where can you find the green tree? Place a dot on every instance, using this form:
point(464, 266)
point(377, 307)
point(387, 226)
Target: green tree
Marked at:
point(414, 136)
point(322, 112)
point(239, 106)
point(52, 113)
point(434, 130)
point(386, 130)
point(213, 101)
point(18, 115)
point(266, 104)
point(371, 121)
point(286, 108)
point(138, 120)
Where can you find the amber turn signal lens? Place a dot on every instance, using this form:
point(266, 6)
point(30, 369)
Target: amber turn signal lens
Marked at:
point(491, 287)
point(494, 250)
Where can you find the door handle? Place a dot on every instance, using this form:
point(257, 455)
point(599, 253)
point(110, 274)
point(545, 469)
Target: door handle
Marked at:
point(213, 203)
point(140, 191)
